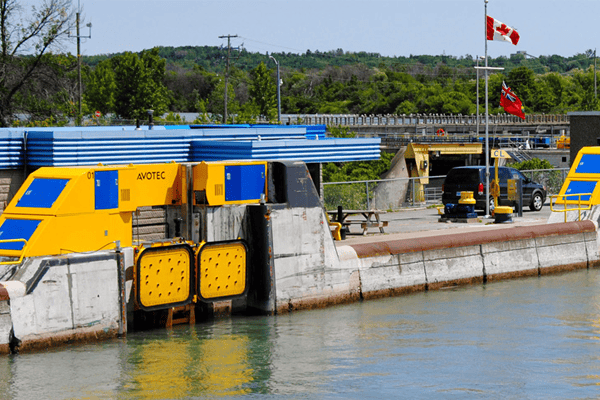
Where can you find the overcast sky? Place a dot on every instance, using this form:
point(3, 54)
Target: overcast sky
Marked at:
point(388, 27)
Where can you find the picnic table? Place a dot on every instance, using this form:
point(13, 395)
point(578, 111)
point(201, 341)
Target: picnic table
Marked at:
point(371, 219)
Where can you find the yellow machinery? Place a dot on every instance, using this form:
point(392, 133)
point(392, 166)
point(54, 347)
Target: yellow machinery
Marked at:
point(563, 142)
point(67, 210)
point(85, 209)
point(580, 190)
point(422, 153)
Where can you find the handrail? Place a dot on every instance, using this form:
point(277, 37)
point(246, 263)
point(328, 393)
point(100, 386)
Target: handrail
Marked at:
point(565, 201)
point(22, 251)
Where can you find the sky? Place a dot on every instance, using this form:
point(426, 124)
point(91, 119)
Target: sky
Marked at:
point(387, 27)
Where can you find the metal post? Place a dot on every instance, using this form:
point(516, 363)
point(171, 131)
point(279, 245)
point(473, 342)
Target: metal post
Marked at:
point(278, 91)
point(368, 202)
point(78, 69)
point(477, 113)
point(487, 150)
point(78, 36)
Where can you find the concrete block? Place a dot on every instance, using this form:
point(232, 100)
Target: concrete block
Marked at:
point(508, 259)
point(308, 272)
point(562, 255)
point(301, 285)
point(301, 231)
point(95, 293)
point(71, 300)
point(393, 275)
point(224, 223)
point(47, 308)
point(591, 245)
point(5, 326)
point(462, 265)
point(452, 252)
point(348, 259)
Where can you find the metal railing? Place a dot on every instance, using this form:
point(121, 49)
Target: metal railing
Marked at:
point(410, 192)
point(422, 119)
point(21, 255)
point(565, 199)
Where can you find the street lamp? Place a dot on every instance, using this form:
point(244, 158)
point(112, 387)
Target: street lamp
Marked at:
point(278, 91)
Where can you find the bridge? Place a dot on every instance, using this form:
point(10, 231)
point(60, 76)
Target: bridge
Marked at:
point(428, 124)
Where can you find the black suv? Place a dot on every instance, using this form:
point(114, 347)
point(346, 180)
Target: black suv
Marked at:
point(472, 179)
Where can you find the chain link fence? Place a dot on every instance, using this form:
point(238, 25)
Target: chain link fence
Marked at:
point(395, 194)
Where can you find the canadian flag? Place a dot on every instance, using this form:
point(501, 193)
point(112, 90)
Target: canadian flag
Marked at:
point(496, 30)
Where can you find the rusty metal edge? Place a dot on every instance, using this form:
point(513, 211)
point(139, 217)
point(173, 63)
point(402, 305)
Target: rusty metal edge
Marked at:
point(4, 293)
point(393, 247)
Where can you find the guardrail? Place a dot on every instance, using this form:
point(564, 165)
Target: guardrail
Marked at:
point(22, 251)
point(423, 119)
point(564, 200)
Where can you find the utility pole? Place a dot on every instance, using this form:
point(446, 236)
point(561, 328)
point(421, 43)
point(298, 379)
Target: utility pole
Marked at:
point(227, 71)
point(78, 36)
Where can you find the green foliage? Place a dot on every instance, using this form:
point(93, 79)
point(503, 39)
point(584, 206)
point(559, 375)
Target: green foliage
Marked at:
point(101, 88)
point(139, 85)
point(340, 132)
point(338, 82)
point(534, 163)
point(189, 79)
point(357, 170)
point(263, 92)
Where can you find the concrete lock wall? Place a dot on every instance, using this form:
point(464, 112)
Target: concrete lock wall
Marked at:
point(388, 268)
point(54, 300)
point(308, 272)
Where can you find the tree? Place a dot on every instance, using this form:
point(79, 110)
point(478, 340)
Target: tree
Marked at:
point(263, 91)
point(101, 87)
point(25, 38)
point(139, 84)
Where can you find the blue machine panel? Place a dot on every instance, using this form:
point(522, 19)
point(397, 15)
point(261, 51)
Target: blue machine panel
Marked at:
point(244, 182)
point(42, 193)
point(589, 164)
point(106, 191)
point(576, 187)
point(17, 229)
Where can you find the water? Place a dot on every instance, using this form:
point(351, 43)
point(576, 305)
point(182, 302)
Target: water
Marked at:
point(535, 338)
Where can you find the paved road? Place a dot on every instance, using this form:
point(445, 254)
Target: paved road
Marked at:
point(419, 222)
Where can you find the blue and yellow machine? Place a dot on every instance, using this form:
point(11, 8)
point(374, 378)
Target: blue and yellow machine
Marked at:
point(580, 190)
point(58, 211)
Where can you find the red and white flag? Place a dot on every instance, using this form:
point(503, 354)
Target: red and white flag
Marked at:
point(496, 30)
point(511, 103)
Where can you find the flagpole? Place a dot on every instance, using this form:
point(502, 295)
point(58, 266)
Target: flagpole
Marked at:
point(487, 150)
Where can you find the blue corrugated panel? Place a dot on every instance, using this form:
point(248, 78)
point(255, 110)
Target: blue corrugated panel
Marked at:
point(218, 126)
point(122, 145)
point(330, 150)
point(168, 127)
point(316, 132)
point(62, 148)
point(11, 149)
point(262, 133)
